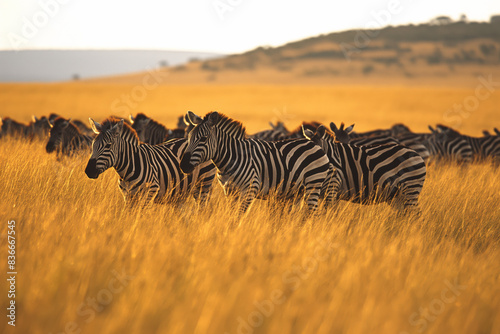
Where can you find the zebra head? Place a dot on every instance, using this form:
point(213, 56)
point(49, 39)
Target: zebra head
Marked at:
point(399, 129)
point(201, 141)
point(321, 137)
point(56, 133)
point(40, 126)
point(103, 148)
point(139, 124)
point(342, 134)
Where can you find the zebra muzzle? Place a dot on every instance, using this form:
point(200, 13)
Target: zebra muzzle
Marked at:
point(91, 169)
point(50, 147)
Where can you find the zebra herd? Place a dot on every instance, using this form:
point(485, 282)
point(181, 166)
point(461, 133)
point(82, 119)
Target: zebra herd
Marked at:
point(312, 162)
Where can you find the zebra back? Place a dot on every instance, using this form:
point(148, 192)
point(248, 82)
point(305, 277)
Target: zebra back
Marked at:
point(278, 132)
point(149, 130)
point(375, 173)
point(446, 145)
point(66, 138)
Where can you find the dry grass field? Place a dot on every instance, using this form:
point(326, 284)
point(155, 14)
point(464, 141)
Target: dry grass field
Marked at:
point(88, 264)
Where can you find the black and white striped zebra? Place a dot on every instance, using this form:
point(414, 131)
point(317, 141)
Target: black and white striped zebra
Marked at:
point(343, 135)
point(67, 139)
point(276, 133)
point(149, 171)
point(12, 128)
point(39, 128)
point(153, 132)
point(251, 168)
point(395, 130)
point(384, 173)
point(447, 146)
point(482, 147)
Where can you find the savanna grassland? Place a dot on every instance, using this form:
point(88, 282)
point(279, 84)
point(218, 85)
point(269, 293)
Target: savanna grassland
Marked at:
point(88, 264)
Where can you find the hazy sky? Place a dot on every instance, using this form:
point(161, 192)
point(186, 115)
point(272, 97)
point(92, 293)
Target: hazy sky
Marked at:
point(224, 26)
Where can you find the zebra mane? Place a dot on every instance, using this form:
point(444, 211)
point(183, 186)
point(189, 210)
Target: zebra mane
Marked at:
point(109, 122)
point(140, 116)
point(308, 125)
point(329, 136)
point(228, 125)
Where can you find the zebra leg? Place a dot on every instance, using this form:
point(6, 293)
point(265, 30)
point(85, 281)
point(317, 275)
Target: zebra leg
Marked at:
point(312, 193)
point(331, 187)
point(407, 199)
point(202, 190)
point(249, 196)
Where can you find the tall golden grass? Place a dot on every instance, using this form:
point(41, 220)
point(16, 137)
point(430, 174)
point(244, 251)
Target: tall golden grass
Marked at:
point(352, 269)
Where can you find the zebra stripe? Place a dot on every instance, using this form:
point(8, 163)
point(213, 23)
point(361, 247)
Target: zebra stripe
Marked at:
point(278, 132)
point(151, 170)
point(448, 146)
point(395, 130)
point(374, 174)
point(151, 131)
point(482, 147)
point(66, 138)
point(251, 168)
point(344, 136)
point(12, 128)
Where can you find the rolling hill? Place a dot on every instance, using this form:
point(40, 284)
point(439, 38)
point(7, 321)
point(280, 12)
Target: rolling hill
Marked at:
point(452, 53)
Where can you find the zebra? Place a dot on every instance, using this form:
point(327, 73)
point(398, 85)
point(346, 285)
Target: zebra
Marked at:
point(38, 128)
point(84, 129)
point(12, 128)
point(447, 145)
point(146, 170)
point(276, 133)
point(482, 147)
point(374, 174)
point(66, 138)
point(395, 130)
point(343, 136)
point(298, 132)
point(151, 131)
point(251, 168)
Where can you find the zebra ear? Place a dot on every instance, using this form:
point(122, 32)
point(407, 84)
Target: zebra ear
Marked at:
point(131, 118)
point(117, 128)
point(307, 133)
point(272, 125)
point(186, 120)
point(193, 118)
point(333, 127)
point(497, 131)
point(34, 118)
point(432, 129)
point(320, 131)
point(349, 128)
point(213, 118)
point(96, 127)
point(486, 133)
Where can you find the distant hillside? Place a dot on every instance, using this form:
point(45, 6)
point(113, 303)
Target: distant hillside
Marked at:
point(61, 65)
point(426, 52)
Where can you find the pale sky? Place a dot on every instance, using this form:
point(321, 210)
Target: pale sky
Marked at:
point(222, 26)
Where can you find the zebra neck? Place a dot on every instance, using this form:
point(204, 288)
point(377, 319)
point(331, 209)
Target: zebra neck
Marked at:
point(230, 153)
point(334, 154)
point(70, 133)
point(127, 151)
